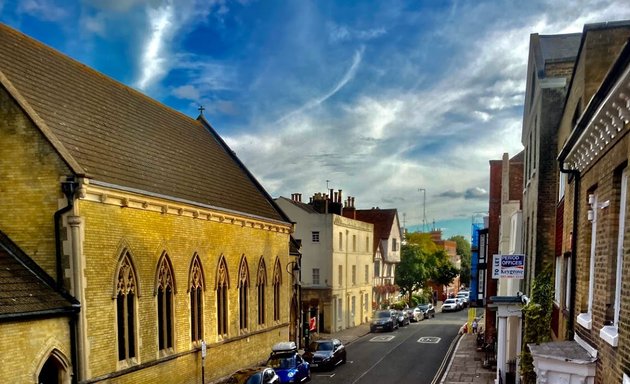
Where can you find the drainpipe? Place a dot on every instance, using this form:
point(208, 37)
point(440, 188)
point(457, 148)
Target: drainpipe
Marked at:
point(576, 206)
point(68, 188)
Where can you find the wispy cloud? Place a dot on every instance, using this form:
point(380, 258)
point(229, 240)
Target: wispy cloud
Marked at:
point(338, 33)
point(356, 60)
point(43, 10)
point(153, 61)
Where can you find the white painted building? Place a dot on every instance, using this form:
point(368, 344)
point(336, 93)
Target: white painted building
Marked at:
point(337, 267)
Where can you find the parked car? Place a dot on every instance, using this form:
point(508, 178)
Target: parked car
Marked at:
point(402, 317)
point(415, 315)
point(460, 302)
point(464, 296)
point(288, 364)
point(427, 310)
point(325, 354)
point(256, 375)
point(383, 320)
point(450, 305)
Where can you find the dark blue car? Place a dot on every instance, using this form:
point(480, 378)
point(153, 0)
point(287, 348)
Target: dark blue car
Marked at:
point(288, 364)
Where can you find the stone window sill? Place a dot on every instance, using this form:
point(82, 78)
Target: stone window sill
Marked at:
point(585, 320)
point(610, 334)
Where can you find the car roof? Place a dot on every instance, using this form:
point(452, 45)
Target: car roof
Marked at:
point(284, 346)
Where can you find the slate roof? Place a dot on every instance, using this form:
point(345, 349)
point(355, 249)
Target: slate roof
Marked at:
point(26, 290)
point(117, 136)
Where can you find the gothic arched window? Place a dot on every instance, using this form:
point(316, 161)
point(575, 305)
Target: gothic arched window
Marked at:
point(165, 291)
point(261, 282)
point(243, 290)
point(197, 286)
point(126, 291)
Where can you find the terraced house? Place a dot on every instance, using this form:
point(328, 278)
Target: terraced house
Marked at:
point(131, 234)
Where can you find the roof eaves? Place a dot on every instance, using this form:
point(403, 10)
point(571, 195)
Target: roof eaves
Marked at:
point(43, 127)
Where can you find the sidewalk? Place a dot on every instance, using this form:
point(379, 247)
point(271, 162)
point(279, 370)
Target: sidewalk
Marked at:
point(465, 363)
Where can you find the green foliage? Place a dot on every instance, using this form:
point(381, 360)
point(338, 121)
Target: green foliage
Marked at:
point(421, 260)
point(444, 271)
point(419, 299)
point(411, 273)
point(537, 315)
point(399, 305)
point(463, 249)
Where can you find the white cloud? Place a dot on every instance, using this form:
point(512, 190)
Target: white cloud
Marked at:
point(188, 92)
point(43, 10)
point(153, 62)
point(349, 75)
point(342, 33)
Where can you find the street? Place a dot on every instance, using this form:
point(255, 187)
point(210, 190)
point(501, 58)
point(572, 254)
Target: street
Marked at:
point(411, 354)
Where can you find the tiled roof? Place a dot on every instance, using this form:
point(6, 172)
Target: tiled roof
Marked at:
point(115, 135)
point(383, 220)
point(306, 207)
point(25, 289)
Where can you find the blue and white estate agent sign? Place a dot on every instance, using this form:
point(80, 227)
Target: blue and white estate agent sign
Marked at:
point(508, 267)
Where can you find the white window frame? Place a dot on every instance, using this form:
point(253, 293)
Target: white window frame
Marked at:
point(557, 292)
point(586, 319)
point(316, 273)
point(567, 284)
point(610, 333)
point(562, 185)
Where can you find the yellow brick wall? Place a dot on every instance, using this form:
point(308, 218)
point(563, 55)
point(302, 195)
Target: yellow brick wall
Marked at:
point(30, 175)
point(30, 172)
point(109, 228)
point(26, 345)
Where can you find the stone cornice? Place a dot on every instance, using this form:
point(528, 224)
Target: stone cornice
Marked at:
point(608, 123)
point(124, 199)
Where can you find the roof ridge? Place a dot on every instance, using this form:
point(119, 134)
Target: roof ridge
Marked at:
point(87, 68)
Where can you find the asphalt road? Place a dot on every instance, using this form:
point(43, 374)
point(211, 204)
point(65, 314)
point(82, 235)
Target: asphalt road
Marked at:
point(411, 354)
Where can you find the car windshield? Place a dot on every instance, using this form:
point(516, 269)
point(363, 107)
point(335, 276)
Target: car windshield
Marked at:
point(245, 378)
point(322, 346)
point(423, 306)
point(449, 301)
point(255, 379)
point(282, 361)
point(383, 314)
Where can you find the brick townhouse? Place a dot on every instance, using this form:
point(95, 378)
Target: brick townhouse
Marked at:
point(593, 148)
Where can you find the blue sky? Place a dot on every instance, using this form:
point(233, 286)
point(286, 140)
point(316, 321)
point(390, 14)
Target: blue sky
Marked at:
point(377, 98)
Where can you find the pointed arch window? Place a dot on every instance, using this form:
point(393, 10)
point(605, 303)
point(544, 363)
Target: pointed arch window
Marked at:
point(197, 287)
point(126, 290)
point(277, 281)
point(222, 292)
point(243, 288)
point(165, 289)
point(261, 282)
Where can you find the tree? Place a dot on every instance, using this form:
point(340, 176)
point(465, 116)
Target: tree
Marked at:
point(463, 249)
point(411, 273)
point(444, 271)
point(422, 260)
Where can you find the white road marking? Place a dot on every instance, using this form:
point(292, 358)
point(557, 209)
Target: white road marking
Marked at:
point(382, 339)
point(429, 340)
